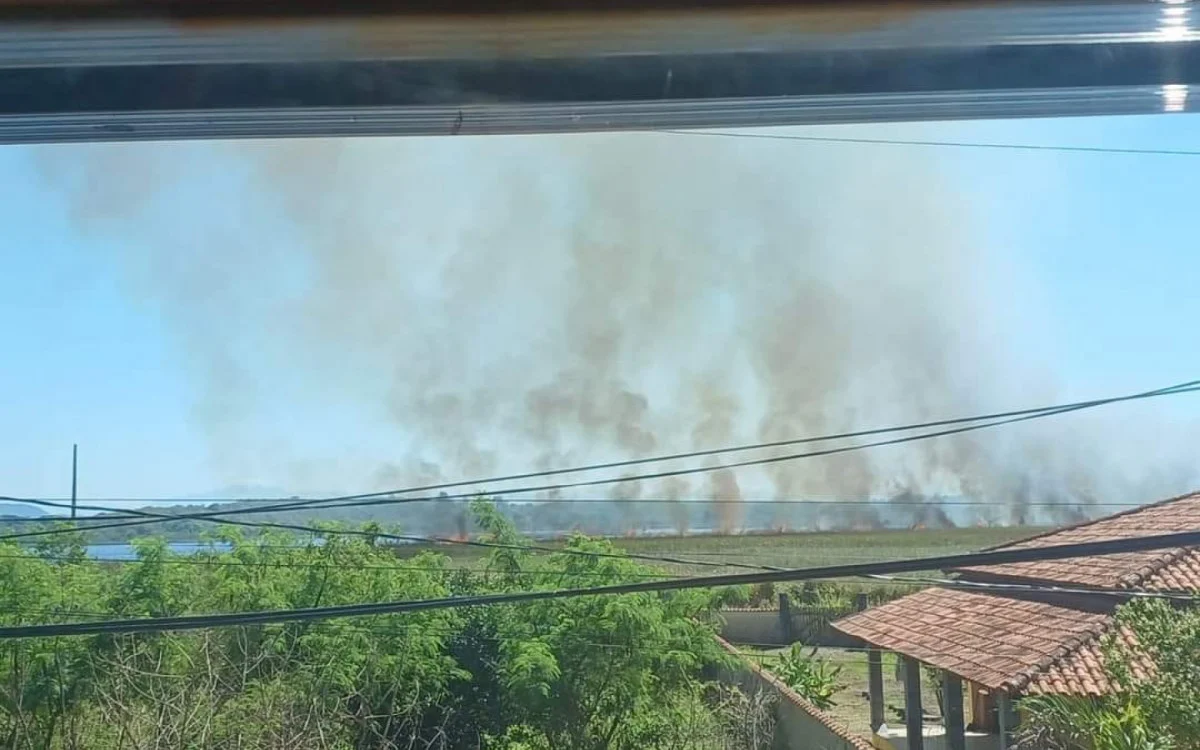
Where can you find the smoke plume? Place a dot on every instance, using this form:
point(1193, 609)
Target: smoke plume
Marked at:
point(376, 313)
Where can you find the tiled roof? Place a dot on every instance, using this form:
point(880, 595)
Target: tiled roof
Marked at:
point(1174, 569)
point(1181, 574)
point(1009, 643)
point(1081, 672)
point(995, 641)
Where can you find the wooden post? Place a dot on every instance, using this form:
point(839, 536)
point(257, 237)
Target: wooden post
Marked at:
point(785, 618)
point(874, 674)
point(74, 474)
point(912, 704)
point(875, 686)
point(1008, 719)
point(952, 701)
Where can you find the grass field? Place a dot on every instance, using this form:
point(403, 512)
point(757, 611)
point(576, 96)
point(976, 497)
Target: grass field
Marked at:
point(828, 548)
point(799, 549)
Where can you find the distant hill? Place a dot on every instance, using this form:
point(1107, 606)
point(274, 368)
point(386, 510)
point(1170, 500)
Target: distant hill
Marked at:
point(239, 491)
point(20, 510)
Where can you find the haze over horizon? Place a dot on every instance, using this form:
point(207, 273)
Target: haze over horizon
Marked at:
point(348, 316)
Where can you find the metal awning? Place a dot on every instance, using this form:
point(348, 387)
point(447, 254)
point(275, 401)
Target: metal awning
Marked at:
point(119, 71)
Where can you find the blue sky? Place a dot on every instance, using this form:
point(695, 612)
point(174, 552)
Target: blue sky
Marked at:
point(1103, 245)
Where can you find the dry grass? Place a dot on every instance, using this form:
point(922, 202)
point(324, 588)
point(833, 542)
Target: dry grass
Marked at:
point(796, 550)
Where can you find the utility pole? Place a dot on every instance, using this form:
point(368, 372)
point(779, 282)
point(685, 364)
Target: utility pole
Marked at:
point(74, 474)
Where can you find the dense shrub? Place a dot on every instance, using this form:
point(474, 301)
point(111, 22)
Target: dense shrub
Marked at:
point(587, 673)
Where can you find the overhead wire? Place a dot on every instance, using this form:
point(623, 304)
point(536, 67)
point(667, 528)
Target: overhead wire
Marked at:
point(386, 496)
point(624, 463)
point(1040, 588)
point(997, 557)
point(186, 557)
point(331, 565)
point(375, 499)
point(660, 558)
point(397, 628)
point(1133, 151)
point(482, 544)
point(881, 502)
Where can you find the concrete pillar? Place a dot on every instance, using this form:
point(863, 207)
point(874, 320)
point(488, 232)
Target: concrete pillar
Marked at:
point(1008, 719)
point(874, 673)
point(912, 704)
point(785, 619)
point(952, 701)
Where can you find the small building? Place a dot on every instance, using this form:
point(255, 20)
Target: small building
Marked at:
point(1004, 643)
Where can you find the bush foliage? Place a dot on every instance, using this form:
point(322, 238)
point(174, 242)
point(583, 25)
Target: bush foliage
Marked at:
point(588, 673)
point(1156, 701)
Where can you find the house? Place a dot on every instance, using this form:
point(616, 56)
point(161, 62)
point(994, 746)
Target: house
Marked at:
point(1004, 643)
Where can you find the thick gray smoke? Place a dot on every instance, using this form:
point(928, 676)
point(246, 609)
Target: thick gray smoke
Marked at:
point(440, 309)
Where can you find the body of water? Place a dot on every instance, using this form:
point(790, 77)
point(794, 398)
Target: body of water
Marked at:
point(119, 551)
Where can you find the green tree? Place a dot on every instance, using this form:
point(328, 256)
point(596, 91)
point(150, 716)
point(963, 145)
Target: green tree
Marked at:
point(587, 673)
point(43, 682)
point(1161, 673)
point(594, 672)
point(1150, 657)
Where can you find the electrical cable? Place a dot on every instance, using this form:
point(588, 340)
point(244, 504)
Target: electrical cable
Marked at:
point(1041, 588)
point(373, 499)
point(882, 502)
point(285, 565)
point(411, 538)
point(937, 144)
point(387, 497)
point(999, 557)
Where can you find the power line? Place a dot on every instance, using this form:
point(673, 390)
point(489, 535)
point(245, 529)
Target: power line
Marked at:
point(412, 538)
point(624, 554)
point(778, 555)
point(374, 499)
point(1000, 557)
point(384, 629)
point(882, 502)
point(331, 565)
point(387, 496)
point(660, 558)
point(1041, 588)
point(936, 144)
point(1186, 387)
point(828, 653)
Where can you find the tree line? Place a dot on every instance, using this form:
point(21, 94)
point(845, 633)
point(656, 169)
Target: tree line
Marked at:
point(591, 673)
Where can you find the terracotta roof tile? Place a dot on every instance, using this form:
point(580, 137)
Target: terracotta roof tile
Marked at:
point(1162, 570)
point(982, 637)
point(1008, 643)
point(1051, 650)
point(1081, 671)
